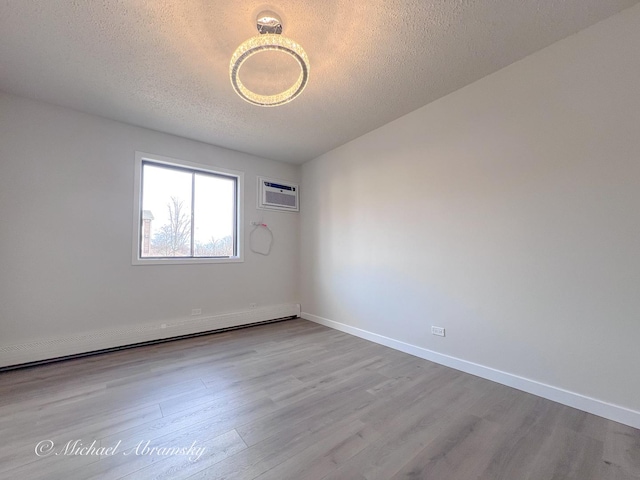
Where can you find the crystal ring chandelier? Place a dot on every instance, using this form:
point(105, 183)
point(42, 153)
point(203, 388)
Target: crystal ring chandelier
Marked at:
point(270, 39)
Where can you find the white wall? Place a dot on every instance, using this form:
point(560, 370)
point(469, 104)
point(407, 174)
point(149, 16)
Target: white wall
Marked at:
point(507, 212)
point(66, 215)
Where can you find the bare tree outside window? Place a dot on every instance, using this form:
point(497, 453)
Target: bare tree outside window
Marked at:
point(220, 247)
point(173, 239)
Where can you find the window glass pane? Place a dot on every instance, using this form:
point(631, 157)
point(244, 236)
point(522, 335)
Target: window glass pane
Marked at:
point(166, 212)
point(214, 216)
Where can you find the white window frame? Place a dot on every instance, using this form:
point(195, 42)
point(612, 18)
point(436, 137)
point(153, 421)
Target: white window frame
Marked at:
point(137, 212)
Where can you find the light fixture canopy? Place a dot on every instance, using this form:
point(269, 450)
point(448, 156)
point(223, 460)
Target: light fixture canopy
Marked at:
point(270, 39)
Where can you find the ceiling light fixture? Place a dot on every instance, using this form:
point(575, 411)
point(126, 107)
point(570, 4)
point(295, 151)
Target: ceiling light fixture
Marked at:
point(270, 39)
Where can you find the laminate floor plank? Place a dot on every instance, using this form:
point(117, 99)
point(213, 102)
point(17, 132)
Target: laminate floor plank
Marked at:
point(293, 400)
point(276, 449)
point(21, 448)
point(459, 451)
point(320, 384)
point(231, 392)
point(323, 457)
point(215, 417)
point(406, 433)
point(566, 455)
point(334, 405)
point(50, 467)
point(214, 450)
point(622, 447)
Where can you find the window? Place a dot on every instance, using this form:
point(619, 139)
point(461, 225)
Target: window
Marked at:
point(185, 213)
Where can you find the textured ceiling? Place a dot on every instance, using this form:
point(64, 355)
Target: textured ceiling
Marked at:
point(164, 64)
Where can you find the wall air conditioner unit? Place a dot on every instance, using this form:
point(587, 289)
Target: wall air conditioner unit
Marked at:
point(277, 195)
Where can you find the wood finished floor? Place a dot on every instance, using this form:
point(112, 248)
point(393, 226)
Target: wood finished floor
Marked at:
point(294, 400)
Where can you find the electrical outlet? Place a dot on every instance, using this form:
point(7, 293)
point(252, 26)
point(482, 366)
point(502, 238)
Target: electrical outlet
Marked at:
point(437, 331)
point(196, 311)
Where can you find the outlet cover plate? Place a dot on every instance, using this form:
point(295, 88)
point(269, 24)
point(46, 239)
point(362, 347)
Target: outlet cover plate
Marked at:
point(439, 331)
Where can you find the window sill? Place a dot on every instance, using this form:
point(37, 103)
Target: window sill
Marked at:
point(184, 261)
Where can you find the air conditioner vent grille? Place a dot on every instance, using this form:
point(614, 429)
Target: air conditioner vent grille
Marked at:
point(275, 198)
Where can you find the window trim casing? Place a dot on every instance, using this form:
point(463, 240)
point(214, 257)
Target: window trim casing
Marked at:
point(137, 209)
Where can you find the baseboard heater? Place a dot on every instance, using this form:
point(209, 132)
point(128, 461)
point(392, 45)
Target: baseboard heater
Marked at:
point(139, 344)
point(94, 343)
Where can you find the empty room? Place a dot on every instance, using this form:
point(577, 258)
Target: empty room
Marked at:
point(337, 240)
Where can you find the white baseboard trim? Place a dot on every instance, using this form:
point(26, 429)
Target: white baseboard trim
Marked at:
point(556, 394)
point(119, 337)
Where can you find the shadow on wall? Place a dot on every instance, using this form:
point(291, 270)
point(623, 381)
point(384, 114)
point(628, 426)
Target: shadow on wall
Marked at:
point(391, 303)
point(387, 302)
